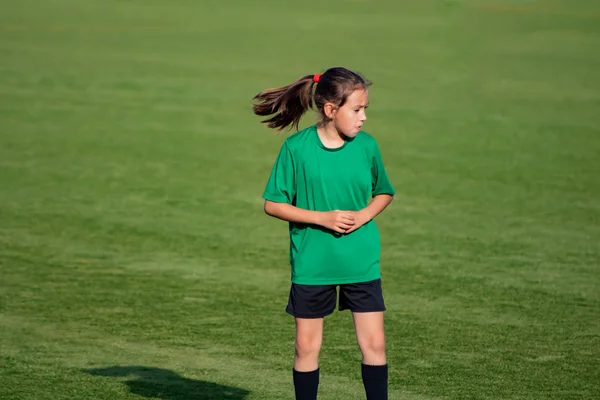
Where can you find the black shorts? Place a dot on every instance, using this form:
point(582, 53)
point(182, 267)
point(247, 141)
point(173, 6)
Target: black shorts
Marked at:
point(318, 301)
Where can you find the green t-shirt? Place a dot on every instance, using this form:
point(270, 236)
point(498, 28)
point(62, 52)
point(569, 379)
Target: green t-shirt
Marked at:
point(310, 176)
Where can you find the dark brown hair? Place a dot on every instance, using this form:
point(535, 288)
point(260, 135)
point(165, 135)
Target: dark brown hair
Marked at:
point(287, 104)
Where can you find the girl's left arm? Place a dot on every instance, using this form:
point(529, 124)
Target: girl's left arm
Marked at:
point(375, 207)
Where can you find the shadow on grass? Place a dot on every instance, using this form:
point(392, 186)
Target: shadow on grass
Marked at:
point(165, 384)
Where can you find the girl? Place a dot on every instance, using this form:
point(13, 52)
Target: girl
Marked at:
point(321, 183)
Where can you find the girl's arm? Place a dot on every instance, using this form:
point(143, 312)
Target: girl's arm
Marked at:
point(338, 221)
point(375, 207)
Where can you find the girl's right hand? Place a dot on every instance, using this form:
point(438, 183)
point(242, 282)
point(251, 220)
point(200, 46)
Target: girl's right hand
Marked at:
point(338, 221)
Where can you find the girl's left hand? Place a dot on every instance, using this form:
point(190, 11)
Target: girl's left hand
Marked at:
point(360, 218)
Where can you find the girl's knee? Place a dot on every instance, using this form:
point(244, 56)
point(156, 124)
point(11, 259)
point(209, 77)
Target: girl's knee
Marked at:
point(374, 345)
point(308, 346)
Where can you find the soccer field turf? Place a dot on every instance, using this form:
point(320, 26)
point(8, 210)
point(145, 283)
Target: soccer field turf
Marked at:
point(135, 258)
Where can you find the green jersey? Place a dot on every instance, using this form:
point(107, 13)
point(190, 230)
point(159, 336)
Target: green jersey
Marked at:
point(313, 177)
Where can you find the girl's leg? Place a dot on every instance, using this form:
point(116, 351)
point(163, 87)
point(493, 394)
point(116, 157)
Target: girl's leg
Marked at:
point(371, 340)
point(309, 336)
point(370, 336)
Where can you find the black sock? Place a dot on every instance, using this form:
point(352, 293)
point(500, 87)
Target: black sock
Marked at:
point(375, 379)
point(306, 384)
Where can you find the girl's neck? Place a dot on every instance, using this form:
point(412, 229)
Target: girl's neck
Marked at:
point(330, 136)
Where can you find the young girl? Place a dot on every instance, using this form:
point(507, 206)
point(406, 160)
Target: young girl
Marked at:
point(322, 184)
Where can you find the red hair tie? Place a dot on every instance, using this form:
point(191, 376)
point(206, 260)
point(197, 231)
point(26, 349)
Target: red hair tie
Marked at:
point(317, 78)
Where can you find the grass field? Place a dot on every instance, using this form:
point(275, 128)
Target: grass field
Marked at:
point(136, 261)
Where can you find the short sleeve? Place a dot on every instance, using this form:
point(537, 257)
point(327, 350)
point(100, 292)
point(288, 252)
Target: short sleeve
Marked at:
point(380, 180)
point(281, 187)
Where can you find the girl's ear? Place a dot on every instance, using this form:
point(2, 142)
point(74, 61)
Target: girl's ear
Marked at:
point(330, 110)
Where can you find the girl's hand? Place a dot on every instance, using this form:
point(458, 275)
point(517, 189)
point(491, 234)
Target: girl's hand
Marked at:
point(360, 218)
point(338, 221)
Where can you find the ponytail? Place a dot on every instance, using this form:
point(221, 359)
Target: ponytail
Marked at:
point(287, 104)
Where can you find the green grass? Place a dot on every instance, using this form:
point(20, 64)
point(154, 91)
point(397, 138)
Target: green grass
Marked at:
point(136, 261)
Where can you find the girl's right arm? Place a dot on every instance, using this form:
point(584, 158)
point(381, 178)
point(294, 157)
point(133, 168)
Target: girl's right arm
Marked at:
point(338, 221)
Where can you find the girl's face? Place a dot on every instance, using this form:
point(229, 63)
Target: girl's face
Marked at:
point(350, 118)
